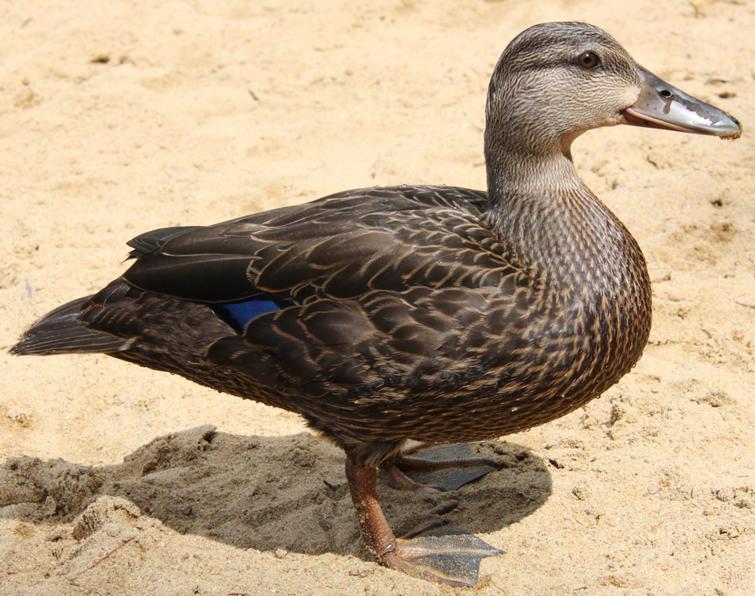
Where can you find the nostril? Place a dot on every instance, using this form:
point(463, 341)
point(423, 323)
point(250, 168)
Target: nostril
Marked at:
point(665, 93)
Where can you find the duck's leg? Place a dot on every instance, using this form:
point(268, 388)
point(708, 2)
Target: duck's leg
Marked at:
point(442, 468)
point(452, 559)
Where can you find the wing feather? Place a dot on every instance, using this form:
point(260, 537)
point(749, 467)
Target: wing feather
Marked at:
point(407, 235)
point(375, 286)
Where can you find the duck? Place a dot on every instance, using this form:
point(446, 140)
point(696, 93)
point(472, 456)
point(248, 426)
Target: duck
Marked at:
point(395, 319)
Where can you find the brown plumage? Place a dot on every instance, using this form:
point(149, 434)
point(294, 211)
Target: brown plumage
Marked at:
point(430, 313)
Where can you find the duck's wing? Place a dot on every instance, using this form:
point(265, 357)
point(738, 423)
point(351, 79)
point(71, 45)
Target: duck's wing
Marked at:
point(388, 274)
point(347, 304)
point(340, 247)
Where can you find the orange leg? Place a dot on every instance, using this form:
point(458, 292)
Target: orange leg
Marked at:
point(376, 533)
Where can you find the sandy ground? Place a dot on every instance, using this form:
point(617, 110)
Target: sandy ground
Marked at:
point(118, 117)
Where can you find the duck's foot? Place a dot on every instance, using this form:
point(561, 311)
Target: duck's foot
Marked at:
point(452, 558)
point(440, 468)
point(396, 478)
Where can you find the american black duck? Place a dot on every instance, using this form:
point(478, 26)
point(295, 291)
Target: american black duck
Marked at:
point(424, 313)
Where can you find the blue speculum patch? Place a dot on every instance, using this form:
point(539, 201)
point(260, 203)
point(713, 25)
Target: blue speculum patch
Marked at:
point(239, 314)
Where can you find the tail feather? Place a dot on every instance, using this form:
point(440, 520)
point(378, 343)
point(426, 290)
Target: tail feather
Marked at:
point(63, 332)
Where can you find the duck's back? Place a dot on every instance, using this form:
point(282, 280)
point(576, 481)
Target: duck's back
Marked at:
point(339, 246)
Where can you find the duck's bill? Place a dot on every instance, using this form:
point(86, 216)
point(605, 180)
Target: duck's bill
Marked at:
point(661, 105)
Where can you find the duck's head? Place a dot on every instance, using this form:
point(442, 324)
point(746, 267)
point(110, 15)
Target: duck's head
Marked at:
point(555, 81)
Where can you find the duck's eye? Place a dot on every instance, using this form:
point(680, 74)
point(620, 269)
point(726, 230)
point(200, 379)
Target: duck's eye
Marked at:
point(588, 60)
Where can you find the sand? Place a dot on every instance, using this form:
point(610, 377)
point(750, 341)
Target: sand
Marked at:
point(119, 117)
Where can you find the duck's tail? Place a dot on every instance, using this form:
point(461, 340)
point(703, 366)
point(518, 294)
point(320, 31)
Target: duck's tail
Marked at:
point(63, 332)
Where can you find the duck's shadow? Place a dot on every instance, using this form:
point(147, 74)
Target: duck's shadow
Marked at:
point(265, 493)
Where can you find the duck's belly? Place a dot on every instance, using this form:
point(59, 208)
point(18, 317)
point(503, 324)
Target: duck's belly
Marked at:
point(548, 377)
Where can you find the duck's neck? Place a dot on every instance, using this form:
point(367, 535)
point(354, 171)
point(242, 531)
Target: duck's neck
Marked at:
point(557, 229)
point(512, 174)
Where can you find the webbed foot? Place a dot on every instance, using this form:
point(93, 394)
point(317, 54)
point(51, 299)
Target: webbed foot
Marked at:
point(451, 558)
point(440, 468)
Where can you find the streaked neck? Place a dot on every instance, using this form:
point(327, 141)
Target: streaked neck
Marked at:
point(556, 228)
point(512, 174)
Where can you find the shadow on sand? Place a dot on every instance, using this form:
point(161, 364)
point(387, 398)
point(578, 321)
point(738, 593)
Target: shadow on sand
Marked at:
point(264, 493)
